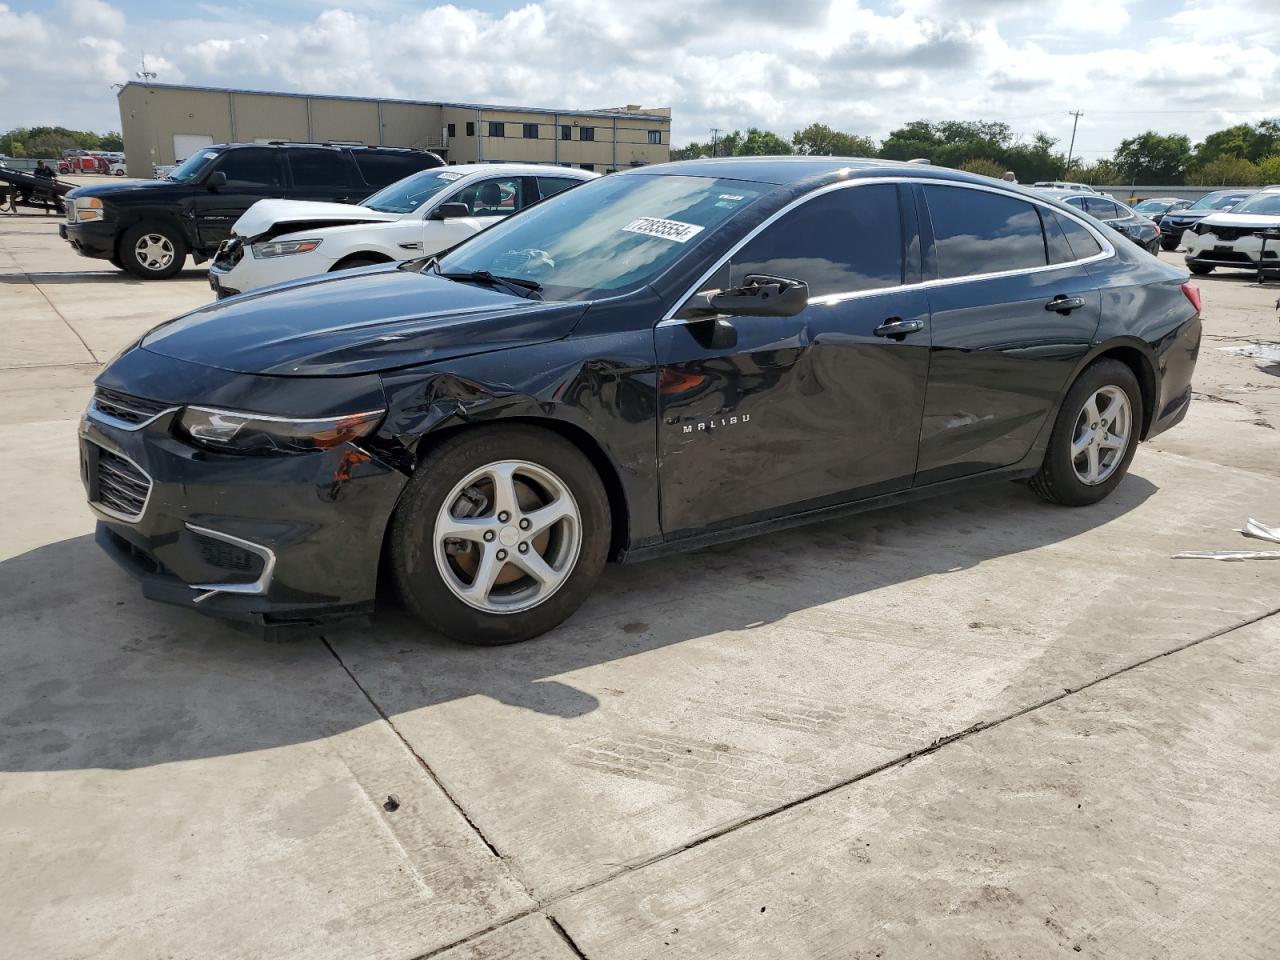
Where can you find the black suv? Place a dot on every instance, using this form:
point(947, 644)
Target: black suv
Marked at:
point(149, 226)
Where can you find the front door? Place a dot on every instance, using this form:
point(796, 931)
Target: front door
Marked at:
point(762, 416)
point(487, 201)
point(1002, 350)
point(253, 174)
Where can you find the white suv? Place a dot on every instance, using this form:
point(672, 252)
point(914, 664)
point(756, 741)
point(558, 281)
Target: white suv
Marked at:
point(279, 240)
point(1231, 239)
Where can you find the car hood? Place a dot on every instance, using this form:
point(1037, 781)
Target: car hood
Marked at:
point(281, 216)
point(361, 321)
point(108, 191)
point(1261, 221)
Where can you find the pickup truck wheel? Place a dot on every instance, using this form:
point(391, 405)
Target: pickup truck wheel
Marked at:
point(152, 251)
point(500, 535)
point(117, 262)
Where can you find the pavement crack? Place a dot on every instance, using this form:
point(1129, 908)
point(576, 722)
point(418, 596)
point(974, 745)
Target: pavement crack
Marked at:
point(58, 313)
point(423, 763)
point(564, 935)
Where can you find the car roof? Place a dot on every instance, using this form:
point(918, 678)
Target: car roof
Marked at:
point(526, 169)
point(813, 171)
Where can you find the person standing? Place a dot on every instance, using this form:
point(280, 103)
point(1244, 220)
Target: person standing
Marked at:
point(45, 172)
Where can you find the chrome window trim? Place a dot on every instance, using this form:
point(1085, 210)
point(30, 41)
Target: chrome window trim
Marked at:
point(111, 513)
point(1108, 250)
point(93, 413)
point(258, 587)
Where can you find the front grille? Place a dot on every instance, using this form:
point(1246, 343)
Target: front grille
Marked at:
point(1231, 233)
point(122, 487)
point(122, 406)
point(230, 252)
point(227, 556)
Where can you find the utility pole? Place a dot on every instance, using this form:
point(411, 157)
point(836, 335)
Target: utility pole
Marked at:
point(1072, 149)
point(715, 141)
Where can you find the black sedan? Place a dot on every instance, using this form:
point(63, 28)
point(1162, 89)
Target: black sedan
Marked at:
point(1178, 222)
point(658, 360)
point(1124, 220)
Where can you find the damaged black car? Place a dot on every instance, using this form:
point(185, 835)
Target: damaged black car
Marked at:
point(657, 360)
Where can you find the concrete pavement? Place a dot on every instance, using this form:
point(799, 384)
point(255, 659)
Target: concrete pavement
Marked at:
point(980, 726)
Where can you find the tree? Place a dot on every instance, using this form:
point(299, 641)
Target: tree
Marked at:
point(1226, 171)
point(1153, 158)
point(819, 140)
point(1098, 172)
point(984, 167)
point(762, 143)
point(111, 140)
point(1245, 141)
point(1269, 170)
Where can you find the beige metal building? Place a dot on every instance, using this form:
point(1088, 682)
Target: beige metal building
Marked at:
point(164, 123)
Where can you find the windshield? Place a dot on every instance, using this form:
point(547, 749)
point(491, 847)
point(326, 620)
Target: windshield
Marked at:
point(193, 166)
point(407, 195)
point(1264, 203)
point(606, 236)
point(1154, 206)
point(1217, 201)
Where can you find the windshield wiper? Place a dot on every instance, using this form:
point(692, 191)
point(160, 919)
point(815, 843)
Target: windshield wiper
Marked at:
point(521, 288)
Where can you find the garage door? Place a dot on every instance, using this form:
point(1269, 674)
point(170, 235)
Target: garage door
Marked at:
point(185, 144)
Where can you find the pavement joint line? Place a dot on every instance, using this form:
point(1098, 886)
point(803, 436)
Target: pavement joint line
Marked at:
point(431, 773)
point(39, 289)
point(564, 935)
point(901, 760)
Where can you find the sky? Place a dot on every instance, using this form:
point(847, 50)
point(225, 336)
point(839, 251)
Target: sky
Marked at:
point(862, 66)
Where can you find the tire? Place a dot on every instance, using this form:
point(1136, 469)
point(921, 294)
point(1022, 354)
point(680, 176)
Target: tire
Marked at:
point(1199, 269)
point(1168, 244)
point(117, 262)
point(354, 262)
point(119, 173)
point(429, 571)
point(167, 250)
point(1063, 479)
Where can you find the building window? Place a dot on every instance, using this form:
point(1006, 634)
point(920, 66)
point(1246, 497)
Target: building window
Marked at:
point(588, 166)
point(586, 133)
point(531, 131)
point(471, 128)
point(453, 130)
point(655, 136)
point(566, 132)
point(497, 128)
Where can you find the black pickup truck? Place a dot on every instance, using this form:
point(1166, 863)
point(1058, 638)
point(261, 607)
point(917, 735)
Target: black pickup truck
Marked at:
point(149, 226)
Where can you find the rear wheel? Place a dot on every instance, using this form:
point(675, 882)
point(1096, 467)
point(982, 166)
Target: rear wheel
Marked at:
point(1153, 247)
point(500, 535)
point(152, 251)
point(1199, 269)
point(1169, 244)
point(1094, 437)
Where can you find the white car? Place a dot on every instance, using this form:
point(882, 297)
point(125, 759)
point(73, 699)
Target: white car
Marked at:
point(1064, 185)
point(1231, 240)
point(278, 240)
point(117, 167)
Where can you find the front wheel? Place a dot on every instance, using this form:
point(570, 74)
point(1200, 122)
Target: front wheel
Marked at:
point(1199, 269)
point(1094, 437)
point(500, 535)
point(152, 251)
point(1169, 244)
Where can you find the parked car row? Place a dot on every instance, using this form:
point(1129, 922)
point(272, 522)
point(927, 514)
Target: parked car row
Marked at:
point(1121, 218)
point(1231, 238)
point(656, 360)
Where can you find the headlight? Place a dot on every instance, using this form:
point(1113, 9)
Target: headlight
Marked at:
point(283, 248)
point(89, 208)
point(254, 433)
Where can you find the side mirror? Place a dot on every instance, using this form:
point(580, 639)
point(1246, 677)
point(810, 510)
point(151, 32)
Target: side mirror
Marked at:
point(762, 296)
point(450, 211)
point(216, 179)
point(1227, 207)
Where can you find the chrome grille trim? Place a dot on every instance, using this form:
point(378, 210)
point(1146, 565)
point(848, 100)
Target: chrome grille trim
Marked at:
point(124, 488)
point(125, 412)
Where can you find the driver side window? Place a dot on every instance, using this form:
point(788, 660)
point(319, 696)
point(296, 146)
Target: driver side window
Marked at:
point(841, 242)
point(251, 167)
point(497, 197)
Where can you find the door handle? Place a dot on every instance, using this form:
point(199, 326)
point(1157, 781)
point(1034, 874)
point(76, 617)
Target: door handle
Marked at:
point(1064, 305)
point(896, 328)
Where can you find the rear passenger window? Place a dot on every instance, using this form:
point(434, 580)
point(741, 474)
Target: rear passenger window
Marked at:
point(380, 169)
point(251, 167)
point(550, 186)
point(318, 168)
point(1102, 209)
point(840, 242)
point(976, 232)
point(1083, 243)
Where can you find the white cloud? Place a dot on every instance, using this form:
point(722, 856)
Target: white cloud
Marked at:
point(862, 65)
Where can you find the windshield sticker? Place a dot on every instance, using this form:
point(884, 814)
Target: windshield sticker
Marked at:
point(211, 154)
point(731, 196)
point(450, 175)
point(672, 230)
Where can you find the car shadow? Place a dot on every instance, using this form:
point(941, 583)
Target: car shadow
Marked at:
point(105, 276)
point(93, 676)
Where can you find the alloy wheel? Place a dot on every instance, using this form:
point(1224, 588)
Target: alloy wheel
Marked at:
point(1101, 436)
point(507, 536)
point(154, 251)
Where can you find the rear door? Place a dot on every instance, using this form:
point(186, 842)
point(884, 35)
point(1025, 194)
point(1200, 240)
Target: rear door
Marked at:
point(1002, 350)
point(253, 174)
point(762, 416)
point(325, 174)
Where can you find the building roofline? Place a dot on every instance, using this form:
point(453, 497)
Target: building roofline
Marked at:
point(604, 114)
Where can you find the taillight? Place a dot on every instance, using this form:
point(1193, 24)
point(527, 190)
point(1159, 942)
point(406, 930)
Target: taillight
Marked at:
point(1192, 293)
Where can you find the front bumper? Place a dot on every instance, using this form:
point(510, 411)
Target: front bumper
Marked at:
point(94, 238)
point(239, 274)
point(270, 540)
point(1172, 228)
point(1245, 252)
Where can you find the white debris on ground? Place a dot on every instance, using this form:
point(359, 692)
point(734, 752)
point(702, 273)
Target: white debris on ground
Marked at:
point(1251, 528)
